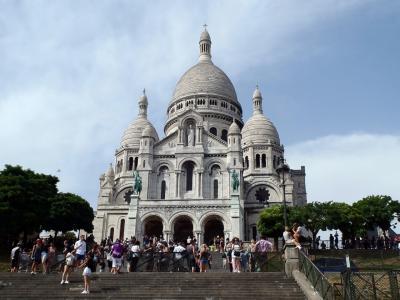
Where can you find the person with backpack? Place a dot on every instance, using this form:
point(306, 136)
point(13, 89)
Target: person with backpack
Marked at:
point(117, 251)
point(15, 257)
point(204, 258)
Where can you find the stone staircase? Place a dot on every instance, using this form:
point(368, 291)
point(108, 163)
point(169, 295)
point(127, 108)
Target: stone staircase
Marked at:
point(206, 286)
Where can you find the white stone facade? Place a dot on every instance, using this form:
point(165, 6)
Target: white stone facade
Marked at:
point(187, 175)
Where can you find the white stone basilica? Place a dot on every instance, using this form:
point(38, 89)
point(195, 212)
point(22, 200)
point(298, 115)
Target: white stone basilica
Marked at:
point(187, 176)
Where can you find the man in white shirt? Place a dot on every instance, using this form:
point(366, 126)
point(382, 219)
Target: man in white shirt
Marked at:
point(178, 250)
point(80, 248)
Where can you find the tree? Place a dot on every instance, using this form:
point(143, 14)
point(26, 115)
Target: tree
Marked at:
point(271, 223)
point(24, 200)
point(378, 211)
point(313, 216)
point(70, 212)
point(346, 218)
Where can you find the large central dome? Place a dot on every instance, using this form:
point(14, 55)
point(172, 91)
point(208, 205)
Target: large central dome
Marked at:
point(205, 78)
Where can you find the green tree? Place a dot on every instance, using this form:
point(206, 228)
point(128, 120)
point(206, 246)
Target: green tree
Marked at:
point(271, 223)
point(346, 218)
point(378, 211)
point(313, 216)
point(24, 200)
point(70, 212)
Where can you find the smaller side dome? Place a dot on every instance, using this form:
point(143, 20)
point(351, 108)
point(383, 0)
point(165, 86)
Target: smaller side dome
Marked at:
point(234, 128)
point(149, 132)
point(110, 172)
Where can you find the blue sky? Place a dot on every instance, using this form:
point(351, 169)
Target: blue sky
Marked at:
point(71, 73)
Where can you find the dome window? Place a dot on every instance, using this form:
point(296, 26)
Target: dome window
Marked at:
point(163, 189)
point(215, 188)
point(130, 164)
point(224, 135)
point(263, 161)
point(246, 159)
point(257, 161)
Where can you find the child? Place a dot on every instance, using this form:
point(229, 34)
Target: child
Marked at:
point(69, 264)
point(88, 265)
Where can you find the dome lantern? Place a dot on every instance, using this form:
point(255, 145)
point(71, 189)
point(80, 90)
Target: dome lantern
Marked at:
point(143, 104)
point(257, 101)
point(205, 45)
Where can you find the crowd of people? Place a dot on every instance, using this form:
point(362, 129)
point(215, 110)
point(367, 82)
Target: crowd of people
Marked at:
point(156, 254)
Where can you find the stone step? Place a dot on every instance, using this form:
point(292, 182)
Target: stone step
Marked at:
point(207, 286)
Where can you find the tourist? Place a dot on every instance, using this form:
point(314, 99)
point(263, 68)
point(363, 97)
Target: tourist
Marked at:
point(336, 240)
point(178, 257)
point(15, 257)
point(135, 250)
point(117, 251)
point(204, 258)
point(68, 267)
point(244, 259)
point(331, 241)
point(323, 245)
point(236, 249)
point(51, 259)
point(96, 255)
point(262, 247)
point(80, 248)
point(163, 257)
point(148, 254)
point(228, 251)
point(107, 252)
point(45, 257)
point(298, 235)
point(87, 272)
point(36, 256)
point(288, 237)
point(191, 251)
point(25, 261)
point(252, 260)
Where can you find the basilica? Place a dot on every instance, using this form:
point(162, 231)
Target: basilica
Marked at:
point(210, 174)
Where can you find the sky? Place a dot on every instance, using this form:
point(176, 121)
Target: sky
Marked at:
point(71, 73)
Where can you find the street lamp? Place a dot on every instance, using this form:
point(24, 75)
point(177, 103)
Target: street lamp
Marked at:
point(282, 170)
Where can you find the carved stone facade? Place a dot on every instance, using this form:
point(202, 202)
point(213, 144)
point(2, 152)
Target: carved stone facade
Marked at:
point(187, 176)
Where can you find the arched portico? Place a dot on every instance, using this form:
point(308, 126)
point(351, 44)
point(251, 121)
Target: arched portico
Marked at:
point(213, 224)
point(182, 226)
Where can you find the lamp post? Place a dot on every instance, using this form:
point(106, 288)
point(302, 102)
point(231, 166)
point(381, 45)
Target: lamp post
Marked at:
point(283, 169)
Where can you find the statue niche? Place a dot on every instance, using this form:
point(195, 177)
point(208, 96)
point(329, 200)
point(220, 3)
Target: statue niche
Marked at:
point(190, 134)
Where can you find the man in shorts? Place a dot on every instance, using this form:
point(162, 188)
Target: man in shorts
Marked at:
point(80, 250)
point(117, 251)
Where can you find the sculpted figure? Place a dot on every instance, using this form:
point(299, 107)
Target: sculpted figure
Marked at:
point(235, 180)
point(190, 135)
point(137, 183)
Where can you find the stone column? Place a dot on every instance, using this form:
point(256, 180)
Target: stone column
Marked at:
point(198, 238)
point(200, 193)
point(178, 185)
point(291, 259)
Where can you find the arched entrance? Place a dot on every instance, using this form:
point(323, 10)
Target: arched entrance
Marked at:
point(153, 226)
point(183, 228)
point(213, 227)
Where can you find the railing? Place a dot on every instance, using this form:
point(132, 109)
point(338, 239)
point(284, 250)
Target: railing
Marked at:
point(371, 285)
point(163, 262)
point(320, 283)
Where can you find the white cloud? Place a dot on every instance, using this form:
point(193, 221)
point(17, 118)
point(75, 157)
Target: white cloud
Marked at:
point(346, 168)
point(71, 72)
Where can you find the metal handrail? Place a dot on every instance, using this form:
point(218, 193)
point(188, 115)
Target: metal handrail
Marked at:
point(320, 283)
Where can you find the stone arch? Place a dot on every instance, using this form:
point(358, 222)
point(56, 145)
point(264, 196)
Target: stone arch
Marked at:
point(212, 214)
point(153, 225)
point(183, 225)
point(213, 162)
point(185, 213)
point(162, 163)
point(195, 160)
point(197, 118)
point(155, 214)
point(275, 193)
